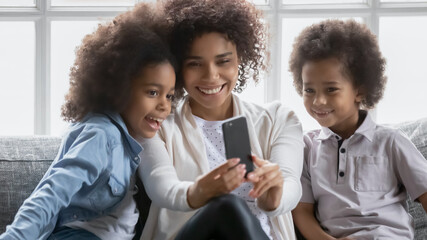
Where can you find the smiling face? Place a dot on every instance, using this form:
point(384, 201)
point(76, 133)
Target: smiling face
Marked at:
point(330, 97)
point(210, 73)
point(151, 98)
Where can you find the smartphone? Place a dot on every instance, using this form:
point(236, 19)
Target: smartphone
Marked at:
point(236, 140)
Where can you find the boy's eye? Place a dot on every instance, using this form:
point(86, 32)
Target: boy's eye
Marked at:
point(308, 90)
point(153, 93)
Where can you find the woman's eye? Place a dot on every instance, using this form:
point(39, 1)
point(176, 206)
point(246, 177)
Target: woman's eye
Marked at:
point(153, 93)
point(223, 61)
point(194, 64)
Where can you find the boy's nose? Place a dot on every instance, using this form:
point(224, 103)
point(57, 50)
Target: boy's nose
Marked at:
point(319, 99)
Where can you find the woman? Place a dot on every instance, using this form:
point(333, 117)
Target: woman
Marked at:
point(219, 44)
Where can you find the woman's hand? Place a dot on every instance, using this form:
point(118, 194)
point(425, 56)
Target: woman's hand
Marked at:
point(221, 180)
point(268, 184)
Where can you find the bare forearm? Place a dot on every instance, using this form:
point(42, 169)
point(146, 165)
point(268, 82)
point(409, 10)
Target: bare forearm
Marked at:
point(423, 200)
point(194, 198)
point(308, 224)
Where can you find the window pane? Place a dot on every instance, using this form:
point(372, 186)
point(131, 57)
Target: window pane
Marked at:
point(404, 1)
point(97, 3)
point(405, 96)
point(17, 64)
point(66, 36)
point(299, 2)
point(254, 93)
point(291, 27)
point(17, 3)
point(260, 2)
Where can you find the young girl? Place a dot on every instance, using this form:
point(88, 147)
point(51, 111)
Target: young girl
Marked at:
point(219, 44)
point(122, 87)
point(357, 174)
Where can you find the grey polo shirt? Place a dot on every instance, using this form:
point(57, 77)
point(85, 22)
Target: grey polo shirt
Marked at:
point(360, 187)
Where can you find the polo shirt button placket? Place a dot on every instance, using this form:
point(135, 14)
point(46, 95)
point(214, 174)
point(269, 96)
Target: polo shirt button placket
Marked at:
point(342, 165)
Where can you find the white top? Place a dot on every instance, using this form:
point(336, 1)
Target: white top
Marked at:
point(174, 158)
point(215, 148)
point(363, 192)
point(119, 224)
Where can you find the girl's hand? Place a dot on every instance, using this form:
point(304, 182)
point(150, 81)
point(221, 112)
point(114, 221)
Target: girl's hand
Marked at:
point(268, 184)
point(221, 180)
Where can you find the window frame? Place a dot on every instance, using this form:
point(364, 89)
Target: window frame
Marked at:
point(43, 14)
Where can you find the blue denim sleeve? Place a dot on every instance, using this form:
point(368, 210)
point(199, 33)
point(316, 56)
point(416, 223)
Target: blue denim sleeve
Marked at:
point(81, 160)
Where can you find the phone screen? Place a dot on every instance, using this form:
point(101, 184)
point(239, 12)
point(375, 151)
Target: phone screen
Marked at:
point(236, 140)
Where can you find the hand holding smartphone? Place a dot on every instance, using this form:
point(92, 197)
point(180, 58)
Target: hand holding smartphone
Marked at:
point(236, 140)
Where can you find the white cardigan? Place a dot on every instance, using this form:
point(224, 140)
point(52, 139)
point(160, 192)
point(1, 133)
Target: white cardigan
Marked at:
point(173, 159)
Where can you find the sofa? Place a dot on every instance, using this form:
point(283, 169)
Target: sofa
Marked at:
point(24, 160)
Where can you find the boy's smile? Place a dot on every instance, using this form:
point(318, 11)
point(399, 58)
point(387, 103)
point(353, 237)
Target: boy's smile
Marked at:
point(330, 97)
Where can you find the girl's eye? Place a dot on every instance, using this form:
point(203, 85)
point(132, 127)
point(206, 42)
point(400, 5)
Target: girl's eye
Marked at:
point(170, 97)
point(153, 93)
point(331, 89)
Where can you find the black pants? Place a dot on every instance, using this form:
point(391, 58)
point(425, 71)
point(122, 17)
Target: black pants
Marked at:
point(225, 217)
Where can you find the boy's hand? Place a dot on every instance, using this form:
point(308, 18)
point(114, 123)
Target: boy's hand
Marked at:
point(423, 200)
point(221, 180)
point(268, 184)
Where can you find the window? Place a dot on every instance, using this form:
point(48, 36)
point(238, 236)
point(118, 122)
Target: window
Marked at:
point(17, 62)
point(38, 39)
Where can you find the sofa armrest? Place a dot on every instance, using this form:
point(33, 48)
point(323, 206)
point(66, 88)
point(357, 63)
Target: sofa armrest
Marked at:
point(23, 162)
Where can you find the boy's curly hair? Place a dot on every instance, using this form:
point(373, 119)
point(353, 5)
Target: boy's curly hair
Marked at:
point(108, 60)
point(239, 20)
point(352, 44)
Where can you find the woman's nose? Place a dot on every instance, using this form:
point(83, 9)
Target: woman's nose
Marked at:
point(211, 72)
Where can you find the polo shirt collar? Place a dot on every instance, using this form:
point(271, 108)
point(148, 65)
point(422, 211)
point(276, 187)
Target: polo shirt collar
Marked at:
point(366, 129)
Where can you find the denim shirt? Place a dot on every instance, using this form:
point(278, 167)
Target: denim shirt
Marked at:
point(88, 178)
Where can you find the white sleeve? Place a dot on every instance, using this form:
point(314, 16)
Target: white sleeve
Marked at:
point(287, 150)
point(159, 177)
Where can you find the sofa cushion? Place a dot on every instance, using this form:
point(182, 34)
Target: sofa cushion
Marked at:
point(417, 132)
point(23, 162)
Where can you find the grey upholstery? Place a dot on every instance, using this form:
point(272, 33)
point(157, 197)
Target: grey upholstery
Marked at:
point(417, 132)
point(23, 161)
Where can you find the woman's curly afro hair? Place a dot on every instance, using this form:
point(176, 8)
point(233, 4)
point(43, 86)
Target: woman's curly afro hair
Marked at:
point(108, 60)
point(353, 45)
point(239, 20)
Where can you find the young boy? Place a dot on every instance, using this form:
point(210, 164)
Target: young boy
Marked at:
point(356, 174)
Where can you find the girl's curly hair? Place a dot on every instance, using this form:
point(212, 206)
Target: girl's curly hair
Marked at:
point(239, 20)
point(353, 44)
point(108, 60)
